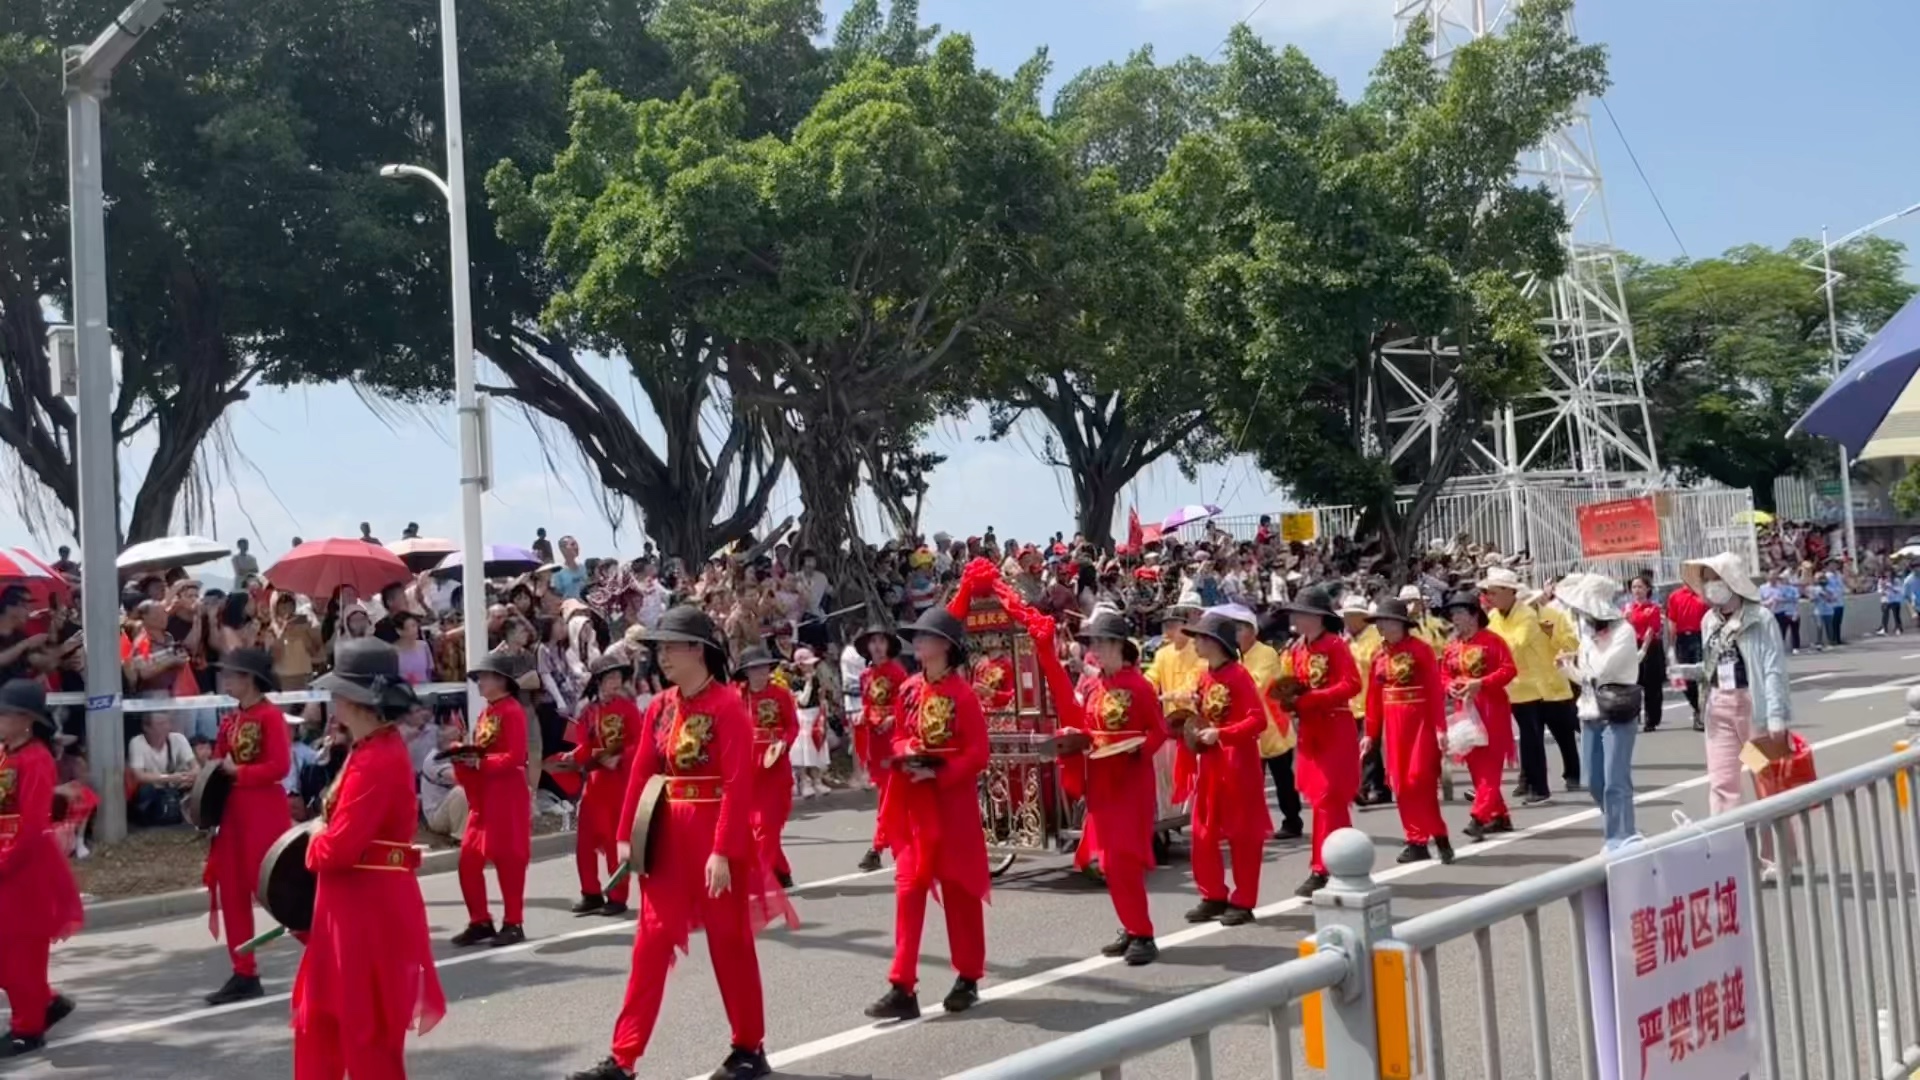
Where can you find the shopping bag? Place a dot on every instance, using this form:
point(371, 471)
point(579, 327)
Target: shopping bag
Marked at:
point(1465, 732)
point(1786, 773)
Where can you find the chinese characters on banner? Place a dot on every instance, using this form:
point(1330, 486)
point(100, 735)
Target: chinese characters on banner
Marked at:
point(1298, 527)
point(1621, 527)
point(1683, 960)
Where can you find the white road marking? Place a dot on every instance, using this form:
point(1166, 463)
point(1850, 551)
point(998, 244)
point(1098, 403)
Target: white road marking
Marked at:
point(1815, 677)
point(1867, 691)
point(614, 926)
point(866, 1032)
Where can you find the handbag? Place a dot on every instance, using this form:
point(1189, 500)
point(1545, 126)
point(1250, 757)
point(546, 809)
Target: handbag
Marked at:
point(1785, 774)
point(1619, 703)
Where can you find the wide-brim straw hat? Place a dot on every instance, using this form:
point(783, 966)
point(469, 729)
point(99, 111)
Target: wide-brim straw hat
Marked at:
point(1728, 567)
point(1501, 577)
point(1594, 595)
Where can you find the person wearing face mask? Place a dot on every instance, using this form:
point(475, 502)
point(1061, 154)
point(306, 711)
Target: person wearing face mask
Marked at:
point(1743, 670)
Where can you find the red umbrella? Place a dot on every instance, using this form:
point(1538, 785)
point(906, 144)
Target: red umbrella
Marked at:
point(19, 566)
point(319, 567)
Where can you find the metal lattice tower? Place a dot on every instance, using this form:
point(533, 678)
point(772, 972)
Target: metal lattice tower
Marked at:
point(1589, 424)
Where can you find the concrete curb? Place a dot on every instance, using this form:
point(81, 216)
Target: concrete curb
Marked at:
point(135, 910)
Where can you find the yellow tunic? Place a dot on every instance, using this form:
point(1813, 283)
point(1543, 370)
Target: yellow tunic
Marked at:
point(1267, 667)
point(1536, 643)
point(1176, 669)
point(1364, 645)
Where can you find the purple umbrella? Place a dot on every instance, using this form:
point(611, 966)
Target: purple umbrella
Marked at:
point(502, 560)
point(1187, 515)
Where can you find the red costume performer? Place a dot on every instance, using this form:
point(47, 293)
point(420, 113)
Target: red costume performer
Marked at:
point(39, 904)
point(367, 975)
point(1121, 791)
point(255, 740)
point(993, 682)
point(1406, 703)
point(703, 744)
point(1229, 789)
point(499, 812)
point(1328, 759)
point(775, 720)
point(932, 818)
point(605, 753)
point(1485, 658)
point(880, 687)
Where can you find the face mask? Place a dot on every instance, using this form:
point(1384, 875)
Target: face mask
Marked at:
point(1719, 593)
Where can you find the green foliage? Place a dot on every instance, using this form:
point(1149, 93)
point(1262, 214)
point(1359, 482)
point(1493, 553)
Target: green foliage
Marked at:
point(1736, 348)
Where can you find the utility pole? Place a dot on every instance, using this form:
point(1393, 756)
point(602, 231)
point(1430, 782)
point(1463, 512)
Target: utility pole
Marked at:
point(89, 69)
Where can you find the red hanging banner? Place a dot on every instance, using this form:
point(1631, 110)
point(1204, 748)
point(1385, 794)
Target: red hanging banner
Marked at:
point(1621, 527)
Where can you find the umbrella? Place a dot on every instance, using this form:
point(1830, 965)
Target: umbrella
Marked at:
point(1873, 408)
point(422, 553)
point(170, 552)
point(319, 567)
point(502, 560)
point(19, 566)
point(1187, 515)
point(1753, 517)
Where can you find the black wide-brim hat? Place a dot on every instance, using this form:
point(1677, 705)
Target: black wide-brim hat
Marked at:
point(687, 625)
point(754, 657)
point(884, 632)
point(601, 666)
point(1312, 601)
point(1221, 629)
point(498, 662)
point(939, 622)
point(1391, 610)
point(1461, 598)
point(366, 671)
point(255, 662)
point(1107, 624)
point(29, 698)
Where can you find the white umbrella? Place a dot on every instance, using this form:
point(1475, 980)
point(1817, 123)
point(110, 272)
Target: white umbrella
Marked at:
point(1187, 515)
point(169, 552)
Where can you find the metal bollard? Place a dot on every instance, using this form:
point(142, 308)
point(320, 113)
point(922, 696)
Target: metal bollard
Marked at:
point(1351, 914)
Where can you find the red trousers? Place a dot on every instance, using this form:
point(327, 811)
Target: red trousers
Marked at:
point(473, 885)
point(736, 967)
point(236, 916)
point(1486, 767)
point(593, 846)
point(1127, 887)
point(881, 778)
point(23, 979)
point(1210, 873)
point(1327, 817)
point(966, 932)
point(319, 1053)
point(1419, 805)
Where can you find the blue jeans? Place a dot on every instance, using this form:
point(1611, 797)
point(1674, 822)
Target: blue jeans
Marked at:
point(1608, 749)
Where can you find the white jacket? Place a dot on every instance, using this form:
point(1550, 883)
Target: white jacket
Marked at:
point(1607, 657)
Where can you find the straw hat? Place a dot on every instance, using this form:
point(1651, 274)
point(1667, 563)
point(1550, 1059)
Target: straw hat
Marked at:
point(1728, 568)
point(1501, 577)
point(1355, 604)
point(1593, 595)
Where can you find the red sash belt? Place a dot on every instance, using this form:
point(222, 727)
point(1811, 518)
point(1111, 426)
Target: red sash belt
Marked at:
point(388, 855)
point(693, 789)
point(9, 828)
point(1104, 738)
point(1404, 697)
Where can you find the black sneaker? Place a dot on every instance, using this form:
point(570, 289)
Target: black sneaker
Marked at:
point(870, 861)
point(1649, 728)
point(1445, 847)
point(1501, 824)
point(743, 1064)
point(1574, 787)
point(1519, 791)
point(1475, 830)
point(784, 878)
point(58, 1009)
point(1141, 951)
point(510, 934)
point(612, 909)
point(238, 988)
point(606, 1070)
point(895, 1004)
point(588, 904)
point(1537, 799)
point(477, 933)
point(964, 995)
point(1118, 946)
point(1414, 853)
point(1237, 916)
point(1207, 911)
point(1290, 830)
point(18, 1045)
point(1699, 724)
point(1313, 884)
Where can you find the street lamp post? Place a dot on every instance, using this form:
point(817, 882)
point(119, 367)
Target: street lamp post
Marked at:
point(473, 479)
point(87, 75)
point(1829, 281)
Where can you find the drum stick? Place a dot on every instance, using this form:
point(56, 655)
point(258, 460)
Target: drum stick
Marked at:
point(263, 940)
point(620, 874)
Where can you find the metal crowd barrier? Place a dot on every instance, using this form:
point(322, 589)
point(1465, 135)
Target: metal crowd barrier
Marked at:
point(1834, 993)
point(222, 701)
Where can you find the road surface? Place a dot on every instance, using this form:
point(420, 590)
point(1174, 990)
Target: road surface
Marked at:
point(545, 1009)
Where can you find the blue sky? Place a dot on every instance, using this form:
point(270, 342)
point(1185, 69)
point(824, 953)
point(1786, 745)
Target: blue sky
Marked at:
point(1755, 121)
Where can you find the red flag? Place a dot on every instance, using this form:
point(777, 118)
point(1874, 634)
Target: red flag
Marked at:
point(1135, 536)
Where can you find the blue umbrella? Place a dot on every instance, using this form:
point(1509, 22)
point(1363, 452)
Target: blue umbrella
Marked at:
point(1873, 408)
point(502, 560)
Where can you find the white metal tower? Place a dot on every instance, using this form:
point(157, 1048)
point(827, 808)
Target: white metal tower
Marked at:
point(1589, 423)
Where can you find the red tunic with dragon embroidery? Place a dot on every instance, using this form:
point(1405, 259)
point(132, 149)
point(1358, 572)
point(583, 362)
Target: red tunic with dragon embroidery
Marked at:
point(775, 720)
point(1485, 656)
point(934, 825)
point(1327, 767)
point(993, 682)
point(38, 900)
point(606, 735)
point(1405, 701)
point(499, 800)
point(255, 739)
point(880, 686)
point(1229, 790)
point(1122, 790)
